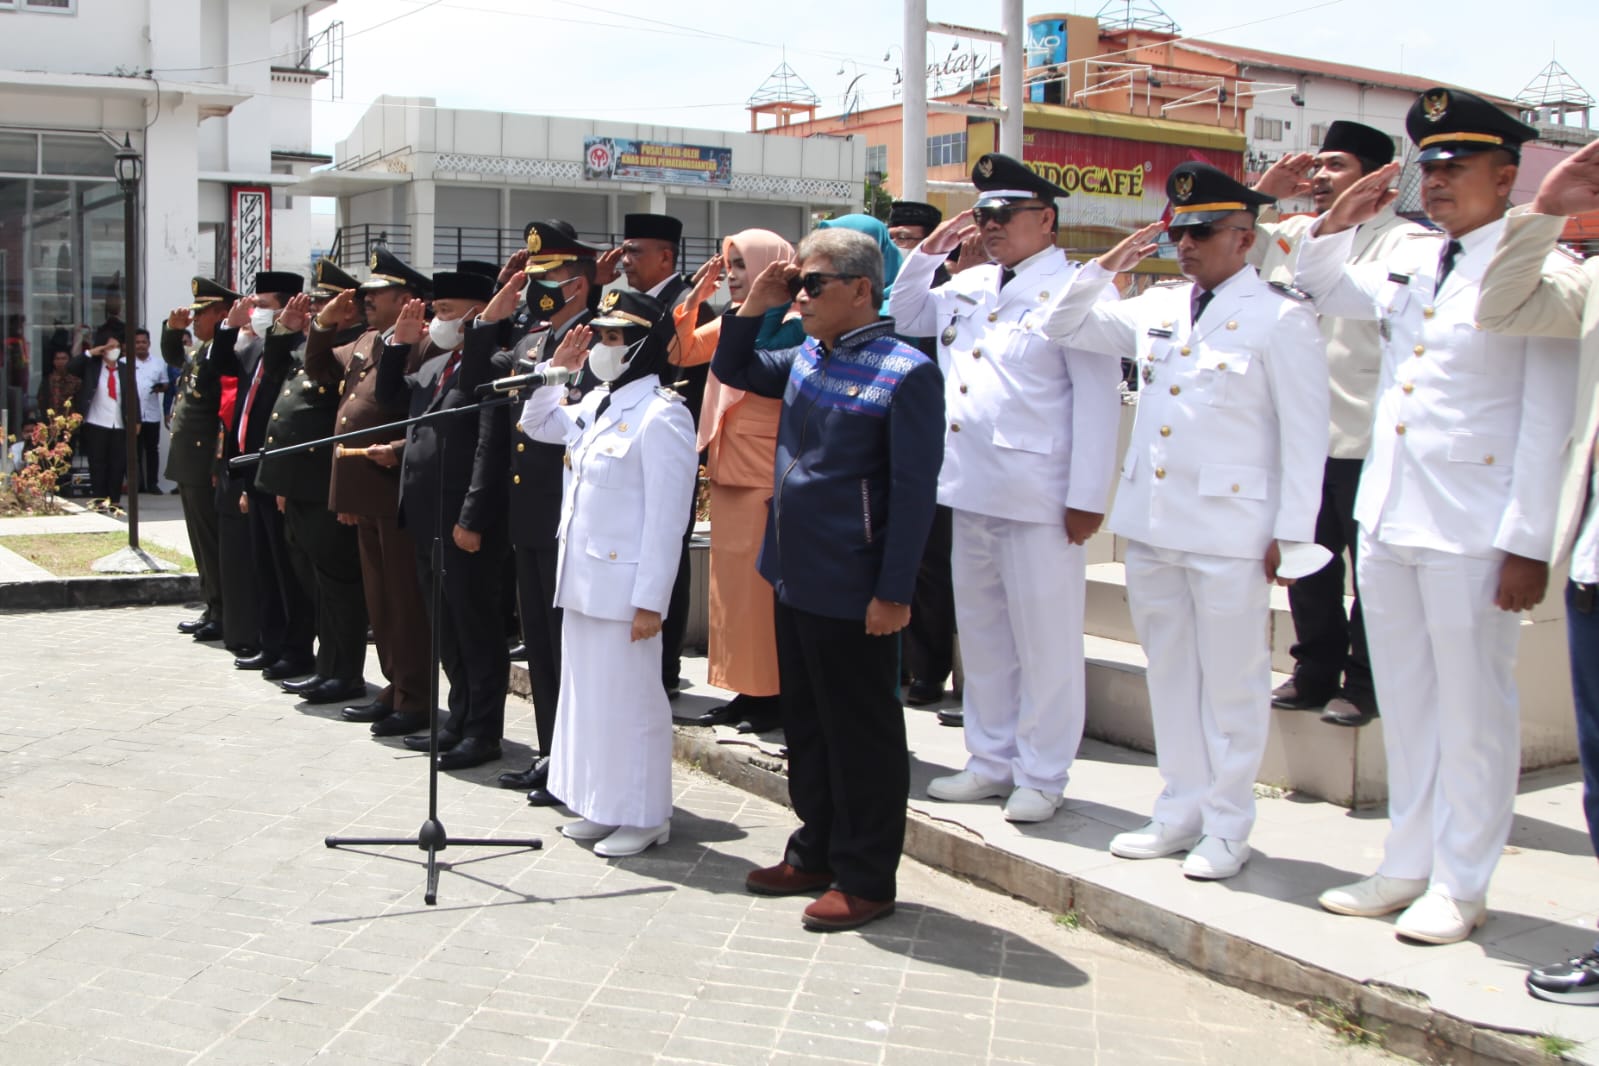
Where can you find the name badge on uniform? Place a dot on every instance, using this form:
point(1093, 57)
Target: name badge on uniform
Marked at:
point(1158, 331)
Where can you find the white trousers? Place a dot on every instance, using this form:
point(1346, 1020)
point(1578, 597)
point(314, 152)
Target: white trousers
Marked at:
point(1443, 660)
point(1019, 611)
point(1202, 620)
point(611, 760)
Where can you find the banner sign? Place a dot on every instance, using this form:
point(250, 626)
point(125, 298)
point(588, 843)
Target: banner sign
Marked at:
point(1117, 185)
point(623, 159)
point(250, 222)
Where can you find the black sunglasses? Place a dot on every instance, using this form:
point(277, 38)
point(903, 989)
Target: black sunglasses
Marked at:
point(1002, 214)
point(814, 282)
point(1204, 231)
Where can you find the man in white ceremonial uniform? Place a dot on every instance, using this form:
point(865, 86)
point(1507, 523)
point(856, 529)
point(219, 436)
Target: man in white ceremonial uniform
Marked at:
point(1027, 467)
point(1522, 295)
point(1225, 462)
point(631, 468)
point(1456, 511)
point(1332, 669)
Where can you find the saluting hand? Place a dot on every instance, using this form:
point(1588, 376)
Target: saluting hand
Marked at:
point(949, 234)
point(1133, 249)
point(408, 327)
point(972, 254)
point(503, 305)
point(180, 318)
point(707, 278)
point(769, 290)
point(607, 267)
point(239, 313)
point(1572, 187)
point(1287, 177)
point(340, 309)
point(296, 313)
point(514, 266)
point(573, 351)
point(1360, 202)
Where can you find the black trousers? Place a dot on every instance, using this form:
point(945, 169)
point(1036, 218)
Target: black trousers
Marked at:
point(107, 453)
point(327, 558)
point(1330, 650)
point(471, 632)
point(930, 637)
point(241, 619)
point(541, 633)
point(848, 766)
point(285, 610)
point(675, 626)
point(200, 520)
point(149, 456)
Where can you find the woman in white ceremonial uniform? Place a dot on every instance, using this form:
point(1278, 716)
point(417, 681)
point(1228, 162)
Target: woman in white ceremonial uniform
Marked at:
point(631, 466)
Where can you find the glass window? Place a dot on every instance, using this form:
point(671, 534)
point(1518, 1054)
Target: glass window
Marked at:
point(79, 156)
point(63, 7)
point(946, 148)
point(876, 160)
point(19, 152)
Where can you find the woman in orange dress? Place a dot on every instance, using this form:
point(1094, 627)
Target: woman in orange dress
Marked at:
point(738, 433)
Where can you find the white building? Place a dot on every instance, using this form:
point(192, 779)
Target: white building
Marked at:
point(437, 185)
point(214, 95)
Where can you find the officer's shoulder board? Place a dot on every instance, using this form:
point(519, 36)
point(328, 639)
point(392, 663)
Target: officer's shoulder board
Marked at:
point(671, 395)
point(1285, 289)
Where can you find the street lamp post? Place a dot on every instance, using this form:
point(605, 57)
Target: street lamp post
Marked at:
point(129, 171)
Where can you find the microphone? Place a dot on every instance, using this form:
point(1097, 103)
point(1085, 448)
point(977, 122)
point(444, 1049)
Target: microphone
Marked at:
point(550, 375)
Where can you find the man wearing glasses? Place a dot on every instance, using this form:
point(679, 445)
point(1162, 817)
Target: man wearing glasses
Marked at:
point(1027, 468)
point(1223, 470)
point(859, 444)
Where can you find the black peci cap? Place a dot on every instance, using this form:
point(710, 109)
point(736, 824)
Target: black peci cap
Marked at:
point(388, 272)
point(463, 285)
point(1360, 141)
point(1200, 193)
point(911, 213)
point(652, 227)
point(1449, 123)
point(279, 282)
point(1000, 178)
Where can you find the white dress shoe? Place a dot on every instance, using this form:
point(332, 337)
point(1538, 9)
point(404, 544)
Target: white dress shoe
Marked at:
point(583, 829)
point(1437, 919)
point(966, 787)
point(1030, 805)
point(1154, 840)
point(632, 839)
point(1215, 858)
point(1373, 896)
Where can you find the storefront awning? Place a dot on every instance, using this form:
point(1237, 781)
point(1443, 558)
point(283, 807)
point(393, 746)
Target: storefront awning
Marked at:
point(331, 181)
point(212, 99)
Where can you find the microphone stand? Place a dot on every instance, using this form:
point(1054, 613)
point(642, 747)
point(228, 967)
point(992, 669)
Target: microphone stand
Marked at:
point(431, 837)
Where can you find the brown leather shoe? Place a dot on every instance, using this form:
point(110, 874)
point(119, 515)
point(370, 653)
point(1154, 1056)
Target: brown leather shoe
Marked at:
point(839, 910)
point(785, 880)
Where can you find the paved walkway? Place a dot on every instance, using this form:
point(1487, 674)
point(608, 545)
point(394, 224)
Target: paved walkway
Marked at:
point(166, 898)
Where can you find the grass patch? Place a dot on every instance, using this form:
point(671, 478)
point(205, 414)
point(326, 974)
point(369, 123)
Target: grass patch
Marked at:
point(1349, 1024)
point(1069, 920)
point(71, 554)
point(1555, 1046)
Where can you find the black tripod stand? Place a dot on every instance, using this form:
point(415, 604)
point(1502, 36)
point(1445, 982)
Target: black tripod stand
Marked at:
point(432, 837)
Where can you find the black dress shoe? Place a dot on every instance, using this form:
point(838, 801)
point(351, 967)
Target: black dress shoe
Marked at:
point(518, 653)
point(332, 690)
point(760, 723)
point(726, 714)
point(208, 633)
point(1291, 695)
point(367, 712)
point(471, 751)
point(955, 717)
point(305, 684)
point(194, 625)
point(922, 693)
point(285, 668)
point(242, 651)
point(419, 742)
point(543, 797)
point(259, 661)
point(400, 722)
point(533, 777)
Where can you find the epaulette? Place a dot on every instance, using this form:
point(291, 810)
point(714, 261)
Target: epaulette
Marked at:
point(666, 393)
point(1289, 291)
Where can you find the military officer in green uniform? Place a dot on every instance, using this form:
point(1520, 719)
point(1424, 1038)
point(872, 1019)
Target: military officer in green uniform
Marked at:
point(195, 427)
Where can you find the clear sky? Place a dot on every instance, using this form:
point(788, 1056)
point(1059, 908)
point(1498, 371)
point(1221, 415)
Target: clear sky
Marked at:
point(694, 63)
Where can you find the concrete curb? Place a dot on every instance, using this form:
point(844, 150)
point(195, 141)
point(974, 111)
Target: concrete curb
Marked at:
point(123, 591)
point(1408, 1024)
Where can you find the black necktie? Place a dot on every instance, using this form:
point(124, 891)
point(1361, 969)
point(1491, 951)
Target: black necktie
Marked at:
point(1006, 276)
point(1446, 263)
point(1201, 301)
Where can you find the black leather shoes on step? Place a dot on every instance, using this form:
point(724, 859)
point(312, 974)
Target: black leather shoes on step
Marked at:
point(399, 723)
point(471, 751)
point(533, 777)
point(259, 661)
point(305, 684)
point(208, 633)
point(543, 797)
point(284, 669)
point(419, 742)
point(367, 712)
point(193, 625)
point(332, 690)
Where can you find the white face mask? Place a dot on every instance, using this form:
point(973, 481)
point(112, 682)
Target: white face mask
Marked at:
point(261, 320)
point(447, 333)
point(112, 355)
point(609, 360)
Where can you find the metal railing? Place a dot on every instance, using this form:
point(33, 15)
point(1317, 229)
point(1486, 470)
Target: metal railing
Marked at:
point(353, 245)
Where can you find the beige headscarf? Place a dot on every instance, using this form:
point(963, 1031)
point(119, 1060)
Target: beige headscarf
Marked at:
point(760, 248)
